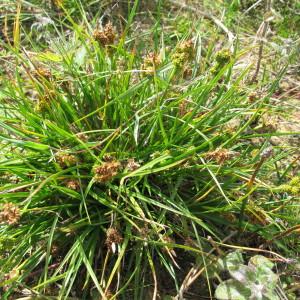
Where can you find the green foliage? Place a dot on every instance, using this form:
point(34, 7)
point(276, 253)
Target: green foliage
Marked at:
point(232, 290)
point(254, 281)
point(292, 187)
point(108, 168)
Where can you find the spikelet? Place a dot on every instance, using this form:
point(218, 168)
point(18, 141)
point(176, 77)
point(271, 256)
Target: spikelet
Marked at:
point(10, 214)
point(106, 171)
point(132, 165)
point(65, 159)
point(183, 53)
point(113, 238)
point(150, 63)
point(220, 155)
point(73, 185)
point(106, 36)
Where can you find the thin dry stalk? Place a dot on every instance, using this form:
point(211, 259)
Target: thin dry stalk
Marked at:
point(262, 31)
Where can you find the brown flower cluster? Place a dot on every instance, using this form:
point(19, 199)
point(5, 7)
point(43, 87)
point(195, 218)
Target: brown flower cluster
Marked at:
point(65, 159)
point(150, 63)
point(10, 214)
point(253, 96)
point(108, 295)
point(132, 165)
point(83, 137)
point(106, 36)
point(113, 237)
point(106, 171)
point(144, 232)
point(186, 47)
point(187, 72)
point(220, 155)
point(73, 185)
point(54, 250)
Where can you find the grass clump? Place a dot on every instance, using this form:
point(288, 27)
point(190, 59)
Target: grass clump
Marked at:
point(114, 163)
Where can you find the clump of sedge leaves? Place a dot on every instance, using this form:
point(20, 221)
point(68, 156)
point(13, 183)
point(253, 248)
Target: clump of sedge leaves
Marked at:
point(108, 169)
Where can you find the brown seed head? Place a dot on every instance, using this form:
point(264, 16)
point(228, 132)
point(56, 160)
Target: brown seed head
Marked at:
point(219, 155)
point(54, 250)
point(169, 249)
point(187, 72)
point(82, 136)
point(108, 157)
point(269, 123)
point(106, 171)
point(253, 96)
point(132, 165)
point(65, 159)
point(144, 232)
point(188, 241)
point(230, 217)
point(151, 62)
point(13, 274)
point(168, 239)
point(113, 236)
point(106, 36)
point(73, 185)
point(10, 214)
point(186, 47)
point(266, 153)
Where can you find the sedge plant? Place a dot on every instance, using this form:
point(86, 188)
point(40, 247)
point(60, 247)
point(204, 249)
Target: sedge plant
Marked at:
point(114, 158)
